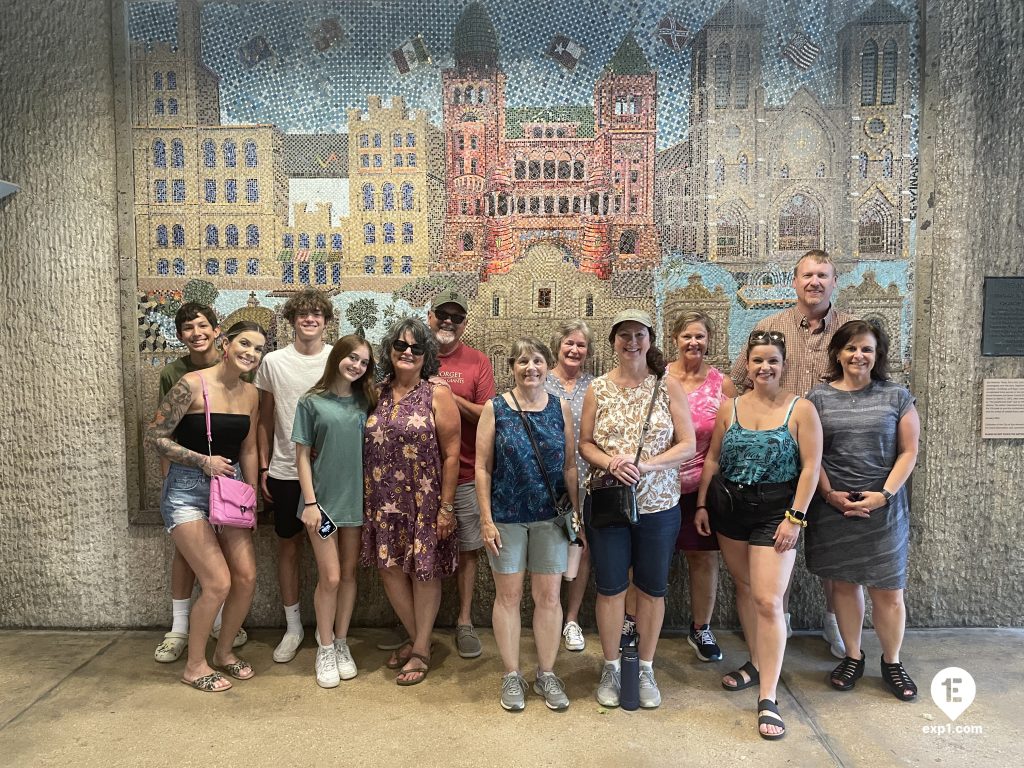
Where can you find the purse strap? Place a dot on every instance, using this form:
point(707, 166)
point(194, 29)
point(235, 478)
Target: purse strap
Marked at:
point(647, 421)
point(206, 410)
point(536, 450)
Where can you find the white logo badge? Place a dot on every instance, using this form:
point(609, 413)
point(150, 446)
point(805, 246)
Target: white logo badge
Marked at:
point(953, 691)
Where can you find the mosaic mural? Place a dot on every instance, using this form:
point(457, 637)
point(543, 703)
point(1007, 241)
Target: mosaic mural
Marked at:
point(552, 160)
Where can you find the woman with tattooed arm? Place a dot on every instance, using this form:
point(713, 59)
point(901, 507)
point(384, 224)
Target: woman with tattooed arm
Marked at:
point(224, 561)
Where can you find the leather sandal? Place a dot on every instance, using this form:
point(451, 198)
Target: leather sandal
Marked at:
point(847, 673)
point(898, 681)
point(211, 683)
point(753, 678)
point(768, 714)
point(421, 672)
point(399, 659)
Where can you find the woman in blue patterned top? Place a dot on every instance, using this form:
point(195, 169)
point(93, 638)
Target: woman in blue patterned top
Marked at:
point(761, 471)
point(518, 519)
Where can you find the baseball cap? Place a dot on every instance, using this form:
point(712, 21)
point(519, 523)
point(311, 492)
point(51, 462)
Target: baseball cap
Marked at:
point(450, 297)
point(636, 315)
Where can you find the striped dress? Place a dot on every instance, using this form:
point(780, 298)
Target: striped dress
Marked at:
point(859, 450)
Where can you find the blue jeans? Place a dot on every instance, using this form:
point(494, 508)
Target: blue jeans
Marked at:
point(647, 548)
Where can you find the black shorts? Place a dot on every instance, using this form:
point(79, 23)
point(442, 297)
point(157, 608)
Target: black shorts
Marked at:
point(749, 513)
point(285, 506)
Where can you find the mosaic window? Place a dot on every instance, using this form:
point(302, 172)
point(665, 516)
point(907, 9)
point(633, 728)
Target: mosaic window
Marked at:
point(368, 194)
point(388, 265)
point(410, 160)
point(784, 172)
point(729, 234)
point(364, 161)
point(212, 236)
point(370, 265)
point(627, 242)
point(744, 169)
point(723, 72)
point(209, 154)
point(871, 232)
point(467, 241)
point(578, 169)
point(387, 197)
point(158, 106)
point(163, 267)
point(177, 154)
point(364, 140)
point(376, 140)
point(887, 164)
point(160, 190)
point(288, 240)
point(369, 234)
point(158, 81)
point(396, 140)
point(407, 265)
point(231, 266)
point(398, 161)
point(231, 236)
point(474, 166)
point(407, 197)
point(868, 73)
point(161, 235)
point(495, 306)
point(252, 236)
point(543, 298)
point(172, 106)
point(229, 154)
point(178, 190)
point(172, 81)
point(321, 273)
point(472, 142)
point(179, 267)
point(742, 90)
point(251, 156)
point(336, 273)
point(288, 272)
point(210, 186)
point(336, 242)
point(378, 161)
point(321, 242)
point(389, 232)
point(304, 272)
point(407, 232)
point(588, 305)
point(178, 236)
point(819, 172)
point(303, 240)
point(862, 165)
point(719, 170)
point(890, 68)
point(159, 154)
point(231, 190)
point(799, 225)
point(212, 267)
point(252, 190)
point(410, 139)
point(549, 169)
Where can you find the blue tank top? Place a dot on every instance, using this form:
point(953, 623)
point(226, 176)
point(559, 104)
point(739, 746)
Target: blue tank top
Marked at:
point(751, 456)
point(518, 492)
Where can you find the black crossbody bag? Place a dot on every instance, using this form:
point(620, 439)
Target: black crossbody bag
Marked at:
point(563, 504)
point(613, 504)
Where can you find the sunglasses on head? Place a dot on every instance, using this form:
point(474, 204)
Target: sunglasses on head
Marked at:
point(767, 337)
point(442, 316)
point(400, 346)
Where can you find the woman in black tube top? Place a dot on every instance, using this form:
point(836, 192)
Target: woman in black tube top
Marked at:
point(224, 561)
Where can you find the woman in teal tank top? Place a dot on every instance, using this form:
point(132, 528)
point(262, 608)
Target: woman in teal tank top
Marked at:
point(759, 476)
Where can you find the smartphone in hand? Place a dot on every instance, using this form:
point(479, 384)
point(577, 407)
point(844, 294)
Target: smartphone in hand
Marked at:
point(327, 526)
point(855, 496)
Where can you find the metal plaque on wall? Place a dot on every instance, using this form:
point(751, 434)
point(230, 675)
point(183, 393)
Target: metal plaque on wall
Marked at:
point(1002, 328)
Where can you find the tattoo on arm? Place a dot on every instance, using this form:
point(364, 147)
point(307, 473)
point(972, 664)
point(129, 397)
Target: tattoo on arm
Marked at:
point(159, 435)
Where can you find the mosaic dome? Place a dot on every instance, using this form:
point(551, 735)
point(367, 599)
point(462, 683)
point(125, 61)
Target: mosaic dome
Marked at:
point(474, 41)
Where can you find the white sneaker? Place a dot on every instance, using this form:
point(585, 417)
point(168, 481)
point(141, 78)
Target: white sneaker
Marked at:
point(346, 666)
point(573, 634)
point(831, 634)
point(326, 667)
point(789, 625)
point(288, 647)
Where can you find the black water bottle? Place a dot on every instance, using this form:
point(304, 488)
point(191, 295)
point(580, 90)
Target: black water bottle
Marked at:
point(629, 679)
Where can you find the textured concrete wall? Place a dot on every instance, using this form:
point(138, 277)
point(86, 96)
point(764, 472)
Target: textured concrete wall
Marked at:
point(69, 556)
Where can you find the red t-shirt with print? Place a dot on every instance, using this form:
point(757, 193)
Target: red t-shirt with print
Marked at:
point(469, 374)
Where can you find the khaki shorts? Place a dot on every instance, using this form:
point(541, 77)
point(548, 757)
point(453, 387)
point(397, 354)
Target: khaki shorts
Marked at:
point(467, 517)
point(541, 547)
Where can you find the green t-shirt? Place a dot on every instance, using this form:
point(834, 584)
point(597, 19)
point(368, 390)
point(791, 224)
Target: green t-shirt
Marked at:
point(333, 426)
point(171, 372)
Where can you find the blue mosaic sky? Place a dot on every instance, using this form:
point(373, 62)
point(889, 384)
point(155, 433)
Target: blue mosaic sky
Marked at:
point(302, 90)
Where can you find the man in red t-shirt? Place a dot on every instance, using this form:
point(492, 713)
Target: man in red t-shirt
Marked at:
point(469, 374)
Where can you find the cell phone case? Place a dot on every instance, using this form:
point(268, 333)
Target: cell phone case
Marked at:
point(327, 526)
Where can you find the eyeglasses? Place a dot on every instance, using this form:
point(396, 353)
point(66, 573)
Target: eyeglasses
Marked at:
point(400, 346)
point(766, 337)
point(442, 316)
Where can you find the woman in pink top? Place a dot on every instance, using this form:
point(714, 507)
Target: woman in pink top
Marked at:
point(706, 388)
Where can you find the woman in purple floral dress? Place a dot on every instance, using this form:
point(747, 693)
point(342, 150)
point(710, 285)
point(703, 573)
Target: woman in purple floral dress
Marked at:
point(410, 469)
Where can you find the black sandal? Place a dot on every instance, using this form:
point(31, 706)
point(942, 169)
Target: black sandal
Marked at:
point(768, 714)
point(898, 681)
point(847, 673)
point(754, 678)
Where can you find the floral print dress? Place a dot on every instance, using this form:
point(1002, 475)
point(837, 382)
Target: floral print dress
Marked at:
point(402, 488)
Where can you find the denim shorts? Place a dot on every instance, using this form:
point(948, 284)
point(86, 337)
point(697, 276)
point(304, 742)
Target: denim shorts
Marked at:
point(540, 547)
point(647, 548)
point(186, 495)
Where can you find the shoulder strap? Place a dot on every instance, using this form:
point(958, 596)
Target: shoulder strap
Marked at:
point(206, 410)
point(789, 413)
point(536, 450)
point(647, 421)
point(735, 415)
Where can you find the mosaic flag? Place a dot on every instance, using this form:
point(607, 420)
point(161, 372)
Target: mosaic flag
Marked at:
point(327, 34)
point(801, 51)
point(673, 33)
point(412, 54)
point(255, 50)
point(565, 51)
point(302, 255)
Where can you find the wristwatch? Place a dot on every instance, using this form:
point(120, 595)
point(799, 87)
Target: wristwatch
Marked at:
point(447, 506)
point(887, 495)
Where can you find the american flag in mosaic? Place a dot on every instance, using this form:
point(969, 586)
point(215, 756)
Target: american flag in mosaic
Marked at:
point(801, 51)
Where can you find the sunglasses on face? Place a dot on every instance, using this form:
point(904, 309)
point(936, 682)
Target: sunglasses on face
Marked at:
point(400, 346)
point(767, 337)
point(442, 316)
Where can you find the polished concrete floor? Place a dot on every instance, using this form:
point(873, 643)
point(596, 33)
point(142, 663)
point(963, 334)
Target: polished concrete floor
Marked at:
point(99, 699)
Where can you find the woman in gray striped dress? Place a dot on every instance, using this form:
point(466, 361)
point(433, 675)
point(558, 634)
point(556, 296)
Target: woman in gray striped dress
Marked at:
point(859, 526)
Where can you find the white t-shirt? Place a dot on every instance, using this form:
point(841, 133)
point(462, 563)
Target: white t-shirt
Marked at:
point(287, 375)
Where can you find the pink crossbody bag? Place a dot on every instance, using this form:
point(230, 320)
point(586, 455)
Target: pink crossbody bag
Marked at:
point(232, 502)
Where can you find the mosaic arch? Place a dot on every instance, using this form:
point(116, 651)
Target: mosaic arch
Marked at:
point(561, 160)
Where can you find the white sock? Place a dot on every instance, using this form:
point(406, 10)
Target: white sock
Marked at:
point(219, 620)
point(291, 615)
point(617, 663)
point(340, 640)
point(647, 664)
point(180, 610)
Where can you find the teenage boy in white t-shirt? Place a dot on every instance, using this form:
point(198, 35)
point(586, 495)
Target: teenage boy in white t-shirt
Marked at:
point(284, 376)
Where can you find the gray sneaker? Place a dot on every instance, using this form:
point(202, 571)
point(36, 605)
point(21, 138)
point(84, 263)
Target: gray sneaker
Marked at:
point(650, 696)
point(552, 689)
point(394, 639)
point(467, 642)
point(513, 692)
point(608, 688)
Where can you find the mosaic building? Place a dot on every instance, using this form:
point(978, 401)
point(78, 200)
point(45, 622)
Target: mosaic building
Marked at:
point(756, 183)
point(578, 176)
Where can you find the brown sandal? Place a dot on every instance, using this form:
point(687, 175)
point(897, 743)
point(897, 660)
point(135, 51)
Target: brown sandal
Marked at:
point(398, 659)
point(420, 671)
